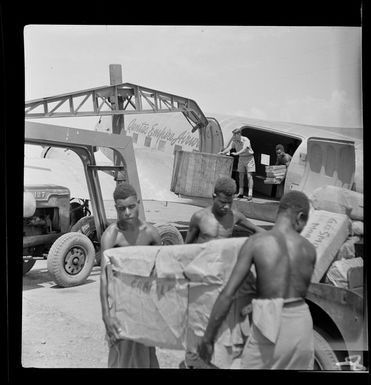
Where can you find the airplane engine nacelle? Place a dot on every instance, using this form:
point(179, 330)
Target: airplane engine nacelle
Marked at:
point(29, 204)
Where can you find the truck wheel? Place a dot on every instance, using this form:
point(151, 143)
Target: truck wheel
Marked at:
point(28, 265)
point(71, 259)
point(324, 357)
point(86, 226)
point(170, 235)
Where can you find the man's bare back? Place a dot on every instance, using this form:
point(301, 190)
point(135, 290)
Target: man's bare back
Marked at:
point(284, 263)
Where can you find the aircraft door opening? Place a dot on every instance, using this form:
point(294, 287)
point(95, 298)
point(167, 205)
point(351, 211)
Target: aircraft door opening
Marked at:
point(263, 143)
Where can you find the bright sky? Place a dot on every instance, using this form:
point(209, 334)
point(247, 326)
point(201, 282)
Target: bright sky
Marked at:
point(309, 75)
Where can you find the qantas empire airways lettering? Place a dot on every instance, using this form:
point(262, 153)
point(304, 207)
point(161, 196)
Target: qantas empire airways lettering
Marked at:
point(184, 138)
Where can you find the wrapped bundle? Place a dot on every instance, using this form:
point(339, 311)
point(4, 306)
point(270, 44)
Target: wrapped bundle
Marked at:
point(327, 232)
point(163, 295)
point(338, 200)
point(338, 272)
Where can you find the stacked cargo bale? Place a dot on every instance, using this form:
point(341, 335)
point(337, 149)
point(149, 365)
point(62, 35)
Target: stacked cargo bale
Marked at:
point(275, 174)
point(349, 257)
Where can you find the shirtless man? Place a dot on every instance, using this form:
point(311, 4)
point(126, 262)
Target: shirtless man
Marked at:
point(127, 231)
point(282, 330)
point(218, 220)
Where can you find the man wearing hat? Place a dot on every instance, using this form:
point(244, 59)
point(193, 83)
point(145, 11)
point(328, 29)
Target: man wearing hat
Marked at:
point(246, 161)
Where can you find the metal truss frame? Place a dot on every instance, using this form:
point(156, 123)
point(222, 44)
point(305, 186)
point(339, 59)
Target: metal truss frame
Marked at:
point(120, 99)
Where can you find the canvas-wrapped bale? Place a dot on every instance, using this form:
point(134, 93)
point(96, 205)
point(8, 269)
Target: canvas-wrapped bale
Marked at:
point(327, 232)
point(208, 273)
point(338, 272)
point(357, 228)
point(152, 288)
point(150, 309)
point(338, 200)
point(195, 173)
point(347, 249)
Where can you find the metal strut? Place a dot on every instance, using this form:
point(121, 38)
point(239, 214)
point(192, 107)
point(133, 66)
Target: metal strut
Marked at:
point(120, 99)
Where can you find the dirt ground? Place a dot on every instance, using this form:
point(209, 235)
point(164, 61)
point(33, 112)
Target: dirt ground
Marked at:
point(62, 327)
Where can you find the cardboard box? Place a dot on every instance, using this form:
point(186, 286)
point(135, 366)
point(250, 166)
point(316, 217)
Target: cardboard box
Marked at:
point(327, 232)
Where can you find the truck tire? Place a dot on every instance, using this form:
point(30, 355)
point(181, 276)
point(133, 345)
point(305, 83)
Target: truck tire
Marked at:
point(86, 226)
point(71, 259)
point(324, 357)
point(28, 265)
point(170, 235)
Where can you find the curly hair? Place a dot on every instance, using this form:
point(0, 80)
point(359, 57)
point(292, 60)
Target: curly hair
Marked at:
point(295, 200)
point(225, 185)
point(124, 190)
point(280, 147)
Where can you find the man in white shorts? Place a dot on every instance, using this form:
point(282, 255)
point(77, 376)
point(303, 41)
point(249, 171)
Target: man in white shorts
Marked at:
point(246, 162)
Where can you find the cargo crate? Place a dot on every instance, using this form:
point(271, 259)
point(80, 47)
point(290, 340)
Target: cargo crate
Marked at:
point(195, 173)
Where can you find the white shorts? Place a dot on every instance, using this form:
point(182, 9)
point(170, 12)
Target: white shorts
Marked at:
point(246, 163)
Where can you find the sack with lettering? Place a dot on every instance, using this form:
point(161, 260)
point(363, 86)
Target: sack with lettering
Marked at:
point(163, 295)
point(327, 232)
point(151, 309)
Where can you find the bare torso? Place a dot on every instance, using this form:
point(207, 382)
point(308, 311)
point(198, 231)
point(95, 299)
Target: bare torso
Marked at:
point(284, 264)
point(141, 235)
point(211, 227)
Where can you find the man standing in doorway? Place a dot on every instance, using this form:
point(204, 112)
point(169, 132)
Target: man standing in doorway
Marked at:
point(246, 161)
point(128, 230)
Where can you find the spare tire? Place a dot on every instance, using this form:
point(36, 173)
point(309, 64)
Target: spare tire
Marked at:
point(169, 234)
point(71, 259)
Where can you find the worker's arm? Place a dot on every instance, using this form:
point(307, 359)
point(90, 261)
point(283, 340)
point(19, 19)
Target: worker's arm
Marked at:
point(287, 160)
point(193, 230)
point(241, 220)
point(228, 148)
point(225, 298)
point(111, 323)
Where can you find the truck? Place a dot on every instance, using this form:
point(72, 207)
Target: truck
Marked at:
point(47, 213)
point(319, 157)
point(65, 232)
